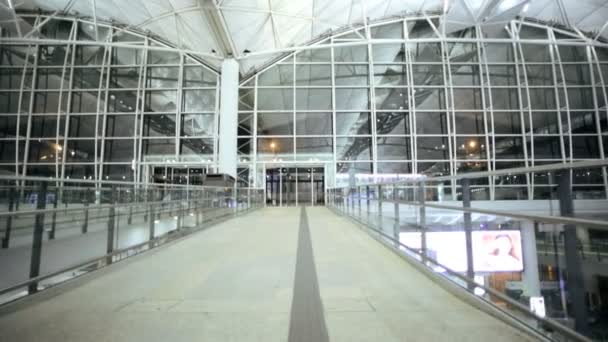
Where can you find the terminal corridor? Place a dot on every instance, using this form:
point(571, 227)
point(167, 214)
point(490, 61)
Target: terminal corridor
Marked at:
point(276, 274)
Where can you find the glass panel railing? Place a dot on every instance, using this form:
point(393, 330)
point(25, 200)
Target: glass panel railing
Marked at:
point(537, 259)
point(54, 230)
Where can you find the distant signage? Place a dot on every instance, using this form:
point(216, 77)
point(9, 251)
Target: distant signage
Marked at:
point(537, 306)
point(33, 199)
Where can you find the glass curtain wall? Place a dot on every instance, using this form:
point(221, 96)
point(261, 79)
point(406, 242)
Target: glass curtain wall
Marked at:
point(402, 97)
point(96, 102)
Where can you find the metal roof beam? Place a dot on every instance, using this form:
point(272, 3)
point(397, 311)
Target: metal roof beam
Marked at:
point(219, 29)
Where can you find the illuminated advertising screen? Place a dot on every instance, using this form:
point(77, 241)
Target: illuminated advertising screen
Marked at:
point(493, 250)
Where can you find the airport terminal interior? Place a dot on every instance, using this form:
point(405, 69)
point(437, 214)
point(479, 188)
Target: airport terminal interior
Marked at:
point(313, 170)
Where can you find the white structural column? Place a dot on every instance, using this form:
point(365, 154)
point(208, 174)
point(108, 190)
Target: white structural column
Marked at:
point(229, 99)
point(531, 279)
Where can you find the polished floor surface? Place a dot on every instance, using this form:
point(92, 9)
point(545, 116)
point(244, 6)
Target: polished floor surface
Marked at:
point(235, 282)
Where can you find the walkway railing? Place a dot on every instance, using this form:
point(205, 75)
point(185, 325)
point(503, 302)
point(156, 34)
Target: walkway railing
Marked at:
point(52, 230)
point(489, 248)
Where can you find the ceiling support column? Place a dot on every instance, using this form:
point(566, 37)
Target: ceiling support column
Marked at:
point(229, 98)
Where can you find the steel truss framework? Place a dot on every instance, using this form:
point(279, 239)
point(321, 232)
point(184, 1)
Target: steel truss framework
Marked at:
point(85, 99)
point(425, 101)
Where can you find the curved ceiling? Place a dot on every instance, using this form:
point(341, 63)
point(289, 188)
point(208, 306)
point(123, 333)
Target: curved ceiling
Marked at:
point(236, 26)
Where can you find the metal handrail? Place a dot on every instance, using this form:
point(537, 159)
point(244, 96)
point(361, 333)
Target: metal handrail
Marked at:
point(101, 207)
point(549, 322)
point(495, 173)
point(596, 224)
point(90, 261)
point(105, 182)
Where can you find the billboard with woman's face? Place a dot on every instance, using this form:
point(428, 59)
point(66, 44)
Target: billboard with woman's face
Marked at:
point(493, 250)
point(497, 251)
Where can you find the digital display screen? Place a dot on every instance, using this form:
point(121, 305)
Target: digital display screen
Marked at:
point(493, 250)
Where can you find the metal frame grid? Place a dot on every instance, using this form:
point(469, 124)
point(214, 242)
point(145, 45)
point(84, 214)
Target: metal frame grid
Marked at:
point(555, 106)
point(142, 91)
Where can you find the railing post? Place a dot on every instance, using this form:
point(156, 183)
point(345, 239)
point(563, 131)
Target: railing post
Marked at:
point(85, 223)
point(359, 200)
point(397, 223)
point(37, 240)
point(132, 196)
point(380, 207)
point(574, 269)
point(368, 202)
point(54, 216)
point(111, 226)
point(152, 222)
point(422, 219)
point(468, 228)
point(9, 219)
point(178, 224)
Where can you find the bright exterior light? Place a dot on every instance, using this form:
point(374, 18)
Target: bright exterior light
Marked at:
point(472, 144)
point(273, 145)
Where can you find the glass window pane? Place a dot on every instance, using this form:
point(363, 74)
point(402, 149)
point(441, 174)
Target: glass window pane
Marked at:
point(313, 99)
point(307, 148)
point(128, 56)
point(353, 124)
point(508, 147)
point(428, 74)
point(393, 123)
point(82, 126)
point(352, 75)
point(313, 124)
point(547, 147)
point(351, 54)
point(46, 126)
point(585, 147)
point(120, 125)
point(431, 123)
point(394, 148)
point(199, 100)
point(164, 147)
point(51, 79)
point(470, 148)
point(354, 148)
point(505, 98)
point(390, 74)
point(159, 125)
point(275, 123)
point(276, 147)
point(194, 125)
point(431, 98)
point(126, 101)
point(388, 53)
point(539, 74)
point(313, 75)
point(87, 102)
point(465, 75)
point(278, 75)
point(432, 148)
point(162, 77)
point(118, 150)
point(163, 57)
point(86, 78)
point(352, 99)
point(425, 52)
point(198, 76)
point(507, 123)
point(469, 123)
point(81, 150)
point(391, 98)
point(275, 99)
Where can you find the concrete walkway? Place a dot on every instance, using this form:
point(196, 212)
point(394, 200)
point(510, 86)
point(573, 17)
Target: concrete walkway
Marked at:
point(234, 282)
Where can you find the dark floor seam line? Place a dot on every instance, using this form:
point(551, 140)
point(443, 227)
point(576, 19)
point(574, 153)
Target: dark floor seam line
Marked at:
point(307, 321)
